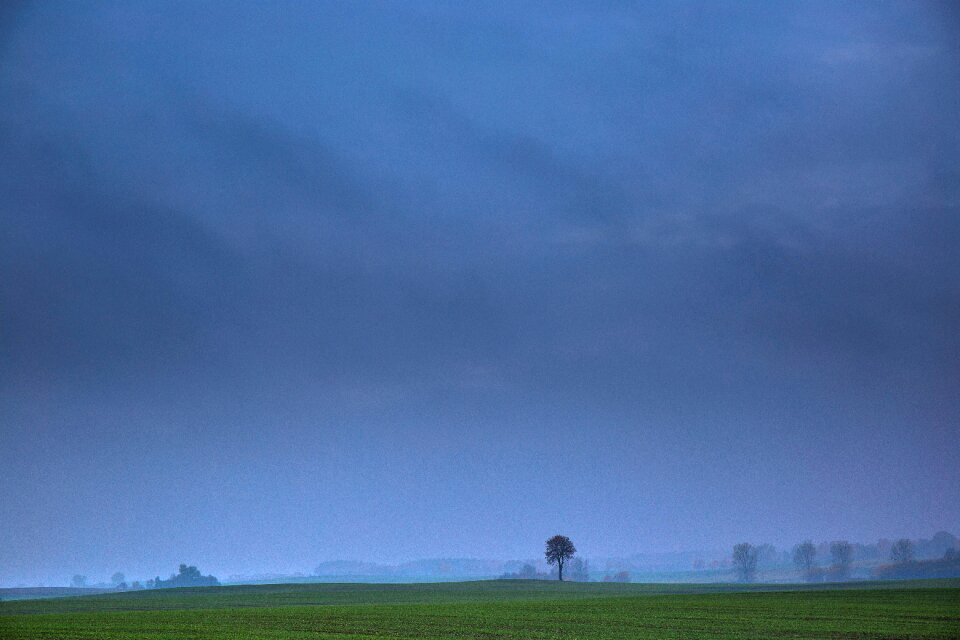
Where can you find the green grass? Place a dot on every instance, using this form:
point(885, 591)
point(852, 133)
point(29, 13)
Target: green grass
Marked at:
point(927, 609)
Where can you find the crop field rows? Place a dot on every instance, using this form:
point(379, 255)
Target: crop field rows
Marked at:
point(494, 610)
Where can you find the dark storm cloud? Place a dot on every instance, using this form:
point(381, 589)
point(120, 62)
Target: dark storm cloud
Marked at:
point(319, 248)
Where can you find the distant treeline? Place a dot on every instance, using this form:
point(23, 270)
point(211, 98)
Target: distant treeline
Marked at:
point(839, 560)
point(946, 567)
point(188, 576)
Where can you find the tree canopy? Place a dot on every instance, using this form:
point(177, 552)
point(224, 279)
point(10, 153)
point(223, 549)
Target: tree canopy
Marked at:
point(559, 550)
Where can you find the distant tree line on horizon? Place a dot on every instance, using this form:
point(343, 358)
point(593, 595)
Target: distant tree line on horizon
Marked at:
point(884, 560)
point(838, 560)
point(186, 576)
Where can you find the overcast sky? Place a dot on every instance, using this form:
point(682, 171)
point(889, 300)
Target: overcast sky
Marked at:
point(291, 282)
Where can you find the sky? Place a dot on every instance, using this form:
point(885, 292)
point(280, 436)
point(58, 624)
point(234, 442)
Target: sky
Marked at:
point(290, 282)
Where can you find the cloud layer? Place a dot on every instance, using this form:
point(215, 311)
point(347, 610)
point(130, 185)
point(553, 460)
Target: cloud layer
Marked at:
point(326, 265)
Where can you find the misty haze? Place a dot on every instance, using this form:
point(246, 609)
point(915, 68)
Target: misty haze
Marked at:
point(452, 301)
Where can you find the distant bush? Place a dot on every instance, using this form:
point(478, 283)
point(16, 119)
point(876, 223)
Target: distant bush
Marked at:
point(620, 576)
point(947, 567)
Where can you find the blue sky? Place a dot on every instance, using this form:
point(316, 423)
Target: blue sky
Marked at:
point(306, 281)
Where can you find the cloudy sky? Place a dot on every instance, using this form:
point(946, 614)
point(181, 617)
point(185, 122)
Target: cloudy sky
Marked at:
point(291, 282)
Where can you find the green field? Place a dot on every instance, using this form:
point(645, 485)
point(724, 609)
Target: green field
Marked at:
point(499, 609)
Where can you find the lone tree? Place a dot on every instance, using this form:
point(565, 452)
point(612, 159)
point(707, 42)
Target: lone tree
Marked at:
point(841, 552)
point(902, 551)
point(559, 550)
point(805, 558)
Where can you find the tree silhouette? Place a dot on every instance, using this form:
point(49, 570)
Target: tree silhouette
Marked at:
point(745, 561)
point(841, 552)
point(805, 557)
point(559, 550)
point(902, 551)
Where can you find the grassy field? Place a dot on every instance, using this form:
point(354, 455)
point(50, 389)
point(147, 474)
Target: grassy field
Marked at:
point(499, 609)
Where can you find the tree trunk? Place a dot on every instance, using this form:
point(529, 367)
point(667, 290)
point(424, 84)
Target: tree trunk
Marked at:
point(560, 565)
